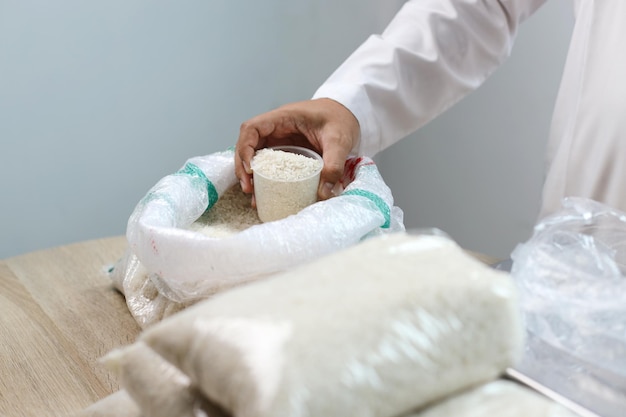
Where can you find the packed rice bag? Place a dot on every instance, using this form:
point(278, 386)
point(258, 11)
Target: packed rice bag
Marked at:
point(376, 330)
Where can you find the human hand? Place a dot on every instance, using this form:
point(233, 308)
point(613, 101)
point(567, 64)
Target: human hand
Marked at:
point(322, 124)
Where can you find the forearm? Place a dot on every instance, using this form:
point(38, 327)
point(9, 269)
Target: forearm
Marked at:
point(432, 54)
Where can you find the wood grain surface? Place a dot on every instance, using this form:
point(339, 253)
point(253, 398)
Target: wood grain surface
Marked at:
point(58, 315)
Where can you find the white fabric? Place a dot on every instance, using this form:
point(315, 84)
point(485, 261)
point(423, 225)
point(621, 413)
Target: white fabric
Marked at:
point(434, 52)
point(587, 146)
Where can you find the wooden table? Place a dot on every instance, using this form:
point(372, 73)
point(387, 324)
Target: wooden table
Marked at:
point(58, 314)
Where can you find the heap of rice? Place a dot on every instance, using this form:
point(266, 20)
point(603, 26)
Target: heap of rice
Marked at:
point(284, 166)
point(284, 182)
point(231, 214)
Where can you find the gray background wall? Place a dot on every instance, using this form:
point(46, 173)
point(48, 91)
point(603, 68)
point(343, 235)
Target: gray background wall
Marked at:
point(99, 100)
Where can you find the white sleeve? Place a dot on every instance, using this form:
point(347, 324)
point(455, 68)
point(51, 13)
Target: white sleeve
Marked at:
point(432, 54)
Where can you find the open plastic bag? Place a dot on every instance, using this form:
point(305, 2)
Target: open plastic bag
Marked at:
point(571, 275)
point(169, 266)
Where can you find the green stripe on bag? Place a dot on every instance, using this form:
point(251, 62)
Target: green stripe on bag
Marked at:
point(380, 203)
point(193, 170)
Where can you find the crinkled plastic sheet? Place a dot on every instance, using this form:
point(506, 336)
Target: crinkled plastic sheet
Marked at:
point(168, 267)
point(376, 330)
point(157, 387)
point(571, 278)
point(118, 404)
point(147, 303)
point(499, 398)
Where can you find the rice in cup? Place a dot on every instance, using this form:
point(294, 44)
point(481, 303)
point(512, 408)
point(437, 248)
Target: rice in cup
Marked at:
point(286, 179)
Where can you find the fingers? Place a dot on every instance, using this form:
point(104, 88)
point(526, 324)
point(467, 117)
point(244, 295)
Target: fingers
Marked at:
point(335, 155)
point(277, 127)
point(243, 155)
point(337, 138)
point(323, 125)
point(251, 138)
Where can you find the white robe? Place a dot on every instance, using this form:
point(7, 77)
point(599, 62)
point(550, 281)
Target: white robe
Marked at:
point(434, 52)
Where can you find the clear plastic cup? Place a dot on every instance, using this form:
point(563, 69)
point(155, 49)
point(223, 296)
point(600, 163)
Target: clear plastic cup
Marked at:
point(279, 198)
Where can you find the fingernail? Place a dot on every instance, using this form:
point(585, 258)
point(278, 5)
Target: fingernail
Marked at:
point(241, 184)
point(327, 190)
point(337, 189)
point(246, 167)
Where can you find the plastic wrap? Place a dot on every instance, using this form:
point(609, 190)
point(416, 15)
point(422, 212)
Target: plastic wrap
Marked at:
point(168, 266)
point(157, 387)
point(498, 398)
point(145, 301)
point(118, 404)
point(571, 278)
point(376, 330)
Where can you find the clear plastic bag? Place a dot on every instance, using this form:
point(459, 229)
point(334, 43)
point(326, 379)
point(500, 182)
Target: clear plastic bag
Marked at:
point(118, 404)
point(572, 283)
point(168, 266)
point(499, 398)
point(155, 385)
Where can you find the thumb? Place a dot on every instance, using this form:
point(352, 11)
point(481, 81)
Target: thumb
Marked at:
point(332, 172)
